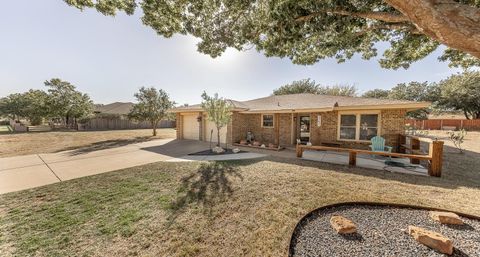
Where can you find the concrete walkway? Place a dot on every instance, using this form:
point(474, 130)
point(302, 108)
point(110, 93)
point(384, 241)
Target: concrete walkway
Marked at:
point(23, 172)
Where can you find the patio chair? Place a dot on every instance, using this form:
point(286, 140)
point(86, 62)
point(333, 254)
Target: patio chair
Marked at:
point(378, 145)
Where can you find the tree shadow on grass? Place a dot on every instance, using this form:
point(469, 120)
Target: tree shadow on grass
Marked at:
point(106, 144)
point(210, 184)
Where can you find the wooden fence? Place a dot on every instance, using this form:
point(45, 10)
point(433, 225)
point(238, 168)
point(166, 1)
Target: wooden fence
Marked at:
point(446, 124)
point(107, 124)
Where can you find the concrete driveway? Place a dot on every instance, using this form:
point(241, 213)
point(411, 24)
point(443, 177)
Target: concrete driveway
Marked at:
point(23, 172)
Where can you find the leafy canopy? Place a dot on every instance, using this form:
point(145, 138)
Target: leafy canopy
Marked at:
point(305, 31)
point(377, 93)
point(461, 92)
point(309, 86)
point(65, 101)
point(152, 105)
point(13, 106)
point(60, 101)
point(412, 91)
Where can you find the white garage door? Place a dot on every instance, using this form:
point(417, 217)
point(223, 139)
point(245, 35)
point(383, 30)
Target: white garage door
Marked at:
point(223, 133)
point(190, 126)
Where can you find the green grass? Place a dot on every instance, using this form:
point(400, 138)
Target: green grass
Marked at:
point(203, 209)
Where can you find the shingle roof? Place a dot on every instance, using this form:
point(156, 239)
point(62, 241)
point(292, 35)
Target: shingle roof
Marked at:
point(295, 102)
point(114, 108)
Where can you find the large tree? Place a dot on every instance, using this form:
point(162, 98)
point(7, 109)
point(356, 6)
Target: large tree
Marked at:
point(36, 108)
point(66, 102)
point(152, 105)
point(309, 30)
point(13, 106)
point(412, 91)
point(377, 93)
point(461, 92)
point(309, 86)
point(298, 87)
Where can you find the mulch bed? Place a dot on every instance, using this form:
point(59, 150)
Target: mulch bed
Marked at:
point(379, 233)
point(210, 152)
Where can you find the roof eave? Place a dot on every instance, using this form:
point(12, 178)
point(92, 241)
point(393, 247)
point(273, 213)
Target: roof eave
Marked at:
point(408, 106)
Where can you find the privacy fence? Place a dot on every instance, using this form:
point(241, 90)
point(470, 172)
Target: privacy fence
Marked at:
point(444, 124)
point(107, 124)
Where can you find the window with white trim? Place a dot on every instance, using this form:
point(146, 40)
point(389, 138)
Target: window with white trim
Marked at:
point(368, 126)
point(267, 120)
point(358, 126)
point(348, 125)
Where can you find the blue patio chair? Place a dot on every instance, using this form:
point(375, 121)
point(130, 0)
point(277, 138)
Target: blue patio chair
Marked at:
point(378, 145)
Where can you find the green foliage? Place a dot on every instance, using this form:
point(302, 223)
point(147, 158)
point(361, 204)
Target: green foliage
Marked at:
point(61, 101)
point(13, 106)
point(305, 31)
point(298, 87)
point(457, 138)
point(377, 93)
point(412, 91)
point(309, 86)
point(418, 92)
point(219, 111)
point(66, 102)
point(462, 92)
point(415, 91)
point(339, 90)
point(152, 106)
point(36, 108)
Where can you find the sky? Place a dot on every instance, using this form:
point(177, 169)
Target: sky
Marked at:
point(110, 58)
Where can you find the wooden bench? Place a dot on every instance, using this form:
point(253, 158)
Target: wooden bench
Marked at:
point(434, 157)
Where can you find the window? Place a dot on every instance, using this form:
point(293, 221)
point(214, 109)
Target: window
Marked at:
point(267, 120)
point(368, 126)
point(348, 127)
point(358, 126)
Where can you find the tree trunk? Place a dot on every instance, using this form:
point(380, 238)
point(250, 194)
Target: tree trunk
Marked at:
point(218, 136)
point(154, 126)
point(449, 22)
point(466, 114)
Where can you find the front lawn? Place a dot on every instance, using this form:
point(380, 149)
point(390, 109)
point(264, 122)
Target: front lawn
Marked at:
point(242, 208)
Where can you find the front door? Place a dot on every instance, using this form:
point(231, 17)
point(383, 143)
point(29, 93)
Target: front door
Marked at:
point(305, 128)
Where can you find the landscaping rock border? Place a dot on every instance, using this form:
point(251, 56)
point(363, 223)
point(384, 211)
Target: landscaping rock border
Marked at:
point(381, 231)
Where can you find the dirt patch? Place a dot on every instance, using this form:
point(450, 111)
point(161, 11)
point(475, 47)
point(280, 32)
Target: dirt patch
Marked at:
point(14, 144)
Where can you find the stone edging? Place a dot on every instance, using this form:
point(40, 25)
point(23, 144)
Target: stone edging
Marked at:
point(398, 205)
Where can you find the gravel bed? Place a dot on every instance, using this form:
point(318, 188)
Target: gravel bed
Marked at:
point(379, 233)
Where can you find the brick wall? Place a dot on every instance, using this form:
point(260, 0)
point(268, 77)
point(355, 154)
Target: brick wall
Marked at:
point(327, 132)
point(285, 128)
point(393, 123)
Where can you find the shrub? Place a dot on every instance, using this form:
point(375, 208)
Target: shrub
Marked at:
point(457, 138)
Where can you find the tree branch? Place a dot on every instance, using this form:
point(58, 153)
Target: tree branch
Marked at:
point(399, 26)
point(381, 16)
point(449, 22)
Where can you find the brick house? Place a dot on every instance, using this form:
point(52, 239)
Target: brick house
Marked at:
point(319, 119)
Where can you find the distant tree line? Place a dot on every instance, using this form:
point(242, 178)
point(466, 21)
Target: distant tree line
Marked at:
point(310, 86)
point(61, 101)
point(459, 92)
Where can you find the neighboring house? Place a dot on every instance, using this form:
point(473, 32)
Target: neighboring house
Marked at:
point(115, 116)
point(117, 108)
point(281, 120)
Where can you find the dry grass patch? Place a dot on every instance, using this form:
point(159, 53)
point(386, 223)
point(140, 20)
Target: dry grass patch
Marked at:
point(242, 208)
point(47, 142)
